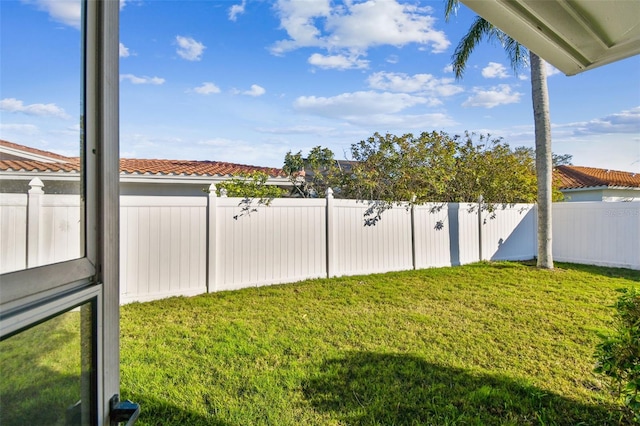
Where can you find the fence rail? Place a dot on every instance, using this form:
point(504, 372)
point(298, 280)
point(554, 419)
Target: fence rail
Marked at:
point(173, 245)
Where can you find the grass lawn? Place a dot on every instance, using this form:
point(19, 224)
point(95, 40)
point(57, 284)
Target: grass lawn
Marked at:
point(482, 344)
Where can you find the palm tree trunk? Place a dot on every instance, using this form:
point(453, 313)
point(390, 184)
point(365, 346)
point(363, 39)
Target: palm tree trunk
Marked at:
point(544, 167)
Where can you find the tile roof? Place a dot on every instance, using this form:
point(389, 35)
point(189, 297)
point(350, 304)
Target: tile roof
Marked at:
point(72, 165)
point(30, 150)
point(571, 177)
point(131, 166)
point(191, 168)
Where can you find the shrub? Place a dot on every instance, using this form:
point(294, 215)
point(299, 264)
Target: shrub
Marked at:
point(618, 355)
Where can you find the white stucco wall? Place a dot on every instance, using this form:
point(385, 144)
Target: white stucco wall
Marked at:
point(602, 194)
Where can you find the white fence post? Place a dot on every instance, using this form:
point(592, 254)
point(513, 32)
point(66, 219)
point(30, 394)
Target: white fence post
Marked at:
point(33, 222)
point(330, 238)
point(413, 232)
point(480, 200)
point(212, 240)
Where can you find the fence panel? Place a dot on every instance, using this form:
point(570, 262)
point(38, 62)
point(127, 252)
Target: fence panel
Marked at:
point(360, 249)
point(169, 248)
point(280, 243)
point(509, 233)
point(13, 232)
point(60, 228)
point(597, 233)
point(162, 247)
point(436, 227)
point(468, 242)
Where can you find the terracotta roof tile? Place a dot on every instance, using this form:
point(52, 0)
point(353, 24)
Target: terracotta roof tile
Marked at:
point(31, 150)
point(39, 166)
point(571, 177)
point(145, 167)
point(131, 165)
point(191, 168)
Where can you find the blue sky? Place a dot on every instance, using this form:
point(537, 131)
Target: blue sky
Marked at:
point(246, 81)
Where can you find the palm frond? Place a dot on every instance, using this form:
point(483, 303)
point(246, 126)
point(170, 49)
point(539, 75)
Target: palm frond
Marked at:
point(451, 8)
point(480, 29)
point(517, 53)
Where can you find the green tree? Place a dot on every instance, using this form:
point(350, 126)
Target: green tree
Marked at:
point(436, 167)
point(252, 188)
point(561, 159)
point(482, 29)
point(311, 176)
point(250, 185)
point(618, 355)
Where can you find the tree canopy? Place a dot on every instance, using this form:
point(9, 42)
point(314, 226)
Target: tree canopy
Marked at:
point(430, 167)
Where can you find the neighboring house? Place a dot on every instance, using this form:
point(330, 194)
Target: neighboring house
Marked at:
point(592, 184)
point(19, 164)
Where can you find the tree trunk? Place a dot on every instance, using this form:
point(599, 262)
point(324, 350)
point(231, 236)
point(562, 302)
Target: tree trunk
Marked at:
point(544, 167)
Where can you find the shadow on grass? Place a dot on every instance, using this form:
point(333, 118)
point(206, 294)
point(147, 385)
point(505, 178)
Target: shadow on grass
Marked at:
point(609, 272)
point(625, 273)
point(158, 412)
point(365, 388)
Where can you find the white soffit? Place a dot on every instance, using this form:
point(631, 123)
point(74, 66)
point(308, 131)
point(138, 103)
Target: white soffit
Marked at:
point(572, 35)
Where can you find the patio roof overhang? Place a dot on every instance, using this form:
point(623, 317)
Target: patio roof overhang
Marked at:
point(572, 35)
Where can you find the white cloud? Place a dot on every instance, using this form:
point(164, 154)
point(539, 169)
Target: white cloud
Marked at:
point(408, 121)
point(67, 12)
point(340, 62)
point(189, 49)
point(551, 70)
point(349, 105)
point(122, 4)
point(448, 69)
point(142, 80)
point(25, 129)
point(498, 95)
point(356, 26)
point(124, 51)
point(296, 130)
point(623, 122)
point(43, 110)
point(237, 9)
point(495, 70)
point(393, 59)
point(417, 83)
point(207, 89)
point(255, 91)
point(241, 151)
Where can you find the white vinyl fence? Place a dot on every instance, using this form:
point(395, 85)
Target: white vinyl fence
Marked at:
point(162, 247)
point(597, 233)
point(173, 245)
point(39, 229)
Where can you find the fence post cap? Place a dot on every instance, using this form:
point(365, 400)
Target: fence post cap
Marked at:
point(223, 192)
point(329, 193)
point(212, 190)
point(36, 186)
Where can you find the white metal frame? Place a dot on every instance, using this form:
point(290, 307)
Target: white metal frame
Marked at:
point(30, 296)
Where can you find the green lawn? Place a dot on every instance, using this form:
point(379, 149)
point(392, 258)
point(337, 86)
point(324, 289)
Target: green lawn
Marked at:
point(483, 344)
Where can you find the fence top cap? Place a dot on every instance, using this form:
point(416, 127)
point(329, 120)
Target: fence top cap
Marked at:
point(36, 185)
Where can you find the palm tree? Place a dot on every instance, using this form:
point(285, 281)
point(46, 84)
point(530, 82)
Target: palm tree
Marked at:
point(481, 29)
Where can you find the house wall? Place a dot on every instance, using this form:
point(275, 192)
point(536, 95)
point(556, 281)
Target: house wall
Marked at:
point(621, 194)
point(53, 186)
point(601, 194)
point(164, 189)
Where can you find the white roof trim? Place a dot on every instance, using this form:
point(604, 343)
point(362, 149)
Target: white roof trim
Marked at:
point(572, 35)
point(30, 155)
